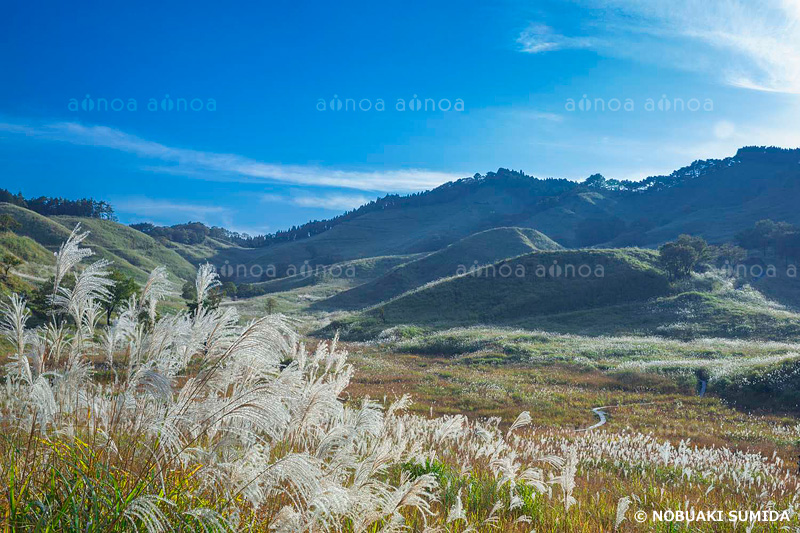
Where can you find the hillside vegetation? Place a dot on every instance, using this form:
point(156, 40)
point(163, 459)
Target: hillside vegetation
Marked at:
point(131, 251)
point(538, 283)
point(713, 198)
point(482, 248)
point(195, 422)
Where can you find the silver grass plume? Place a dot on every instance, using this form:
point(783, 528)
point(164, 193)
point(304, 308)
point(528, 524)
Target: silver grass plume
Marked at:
point(91, 285)
point(457, 510)
point(566, 480)
point(622, 507)
point(206, 280)
point(157, 288)
point(15, 315)
point(522, 420)
point(145, 509)
point(70, 254)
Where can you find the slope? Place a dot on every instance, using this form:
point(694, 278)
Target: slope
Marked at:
point(538, 283)
point(714, 198)
point(482, 248)
point(131, 251)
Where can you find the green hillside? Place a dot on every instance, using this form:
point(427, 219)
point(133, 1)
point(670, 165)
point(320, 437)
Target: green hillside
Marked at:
point(343, 275)
point(26, 249)
point(38, 262)
point(480, 249)
point(711, 198)
point(539, 283)
point(131, 251)
point(686, 316)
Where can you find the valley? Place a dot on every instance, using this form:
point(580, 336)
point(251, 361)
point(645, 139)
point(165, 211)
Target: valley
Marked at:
point(661, 380)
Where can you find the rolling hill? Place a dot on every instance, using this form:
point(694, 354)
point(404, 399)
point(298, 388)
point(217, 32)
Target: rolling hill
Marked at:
point(482, 248)
point(539, 283)
point(713, 198)
point(131, 251)
point(345, 275)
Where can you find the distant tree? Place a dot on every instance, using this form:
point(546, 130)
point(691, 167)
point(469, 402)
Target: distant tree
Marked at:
point(229, 289)
point(16, 199)
point(596, 181)
point(768, 234)
point(382, 314)
point(213, 299)
point(7, 262)
point(9, 223)
point(124, 287)
point(704, 252)
point(730, 253)
point(271, 304)
point(188, 291)
point(678, 259)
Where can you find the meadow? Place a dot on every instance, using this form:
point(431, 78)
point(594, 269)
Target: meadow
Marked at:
point(208, 421)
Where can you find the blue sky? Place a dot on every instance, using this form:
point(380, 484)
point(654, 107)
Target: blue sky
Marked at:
point(257, 154)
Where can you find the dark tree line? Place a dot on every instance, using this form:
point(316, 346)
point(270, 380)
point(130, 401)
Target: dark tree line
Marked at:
point(680, 257)
point(50, 206)
point(768, 236)
point(532, 189)
point(190, 233)
point(695, 170)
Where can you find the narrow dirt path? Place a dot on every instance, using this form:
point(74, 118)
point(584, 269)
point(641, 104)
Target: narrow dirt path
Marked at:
point(603, 416)
point(28, 276)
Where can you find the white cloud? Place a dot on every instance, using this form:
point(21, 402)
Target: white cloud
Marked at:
point(724, 129)
point(332, 201)
point(539, 38)
point(550, 117)
point(752, 45)
point(230, 167)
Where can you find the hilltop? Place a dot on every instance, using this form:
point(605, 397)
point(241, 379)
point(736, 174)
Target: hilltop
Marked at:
point(713, 198)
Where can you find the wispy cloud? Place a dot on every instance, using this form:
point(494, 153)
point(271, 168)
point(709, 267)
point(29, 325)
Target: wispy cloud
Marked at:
point(156, 209)
point(228, 167)
point(754, 45)
point(541, 115)
point(539, 38)
point(332, 201)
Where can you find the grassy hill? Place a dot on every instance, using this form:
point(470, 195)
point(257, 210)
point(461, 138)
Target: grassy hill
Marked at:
point(711, 198)
point(440, 217)
point(705, 306)
point(131, 251)
point(536, 284)
point(25, 248)
point(482, 248)
point(343, 275)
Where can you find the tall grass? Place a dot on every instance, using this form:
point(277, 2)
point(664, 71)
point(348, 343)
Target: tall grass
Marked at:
point(194, 422)
point(191, 422)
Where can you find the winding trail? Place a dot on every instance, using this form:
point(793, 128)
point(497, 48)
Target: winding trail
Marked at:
point(602, 415)
point(28, 276)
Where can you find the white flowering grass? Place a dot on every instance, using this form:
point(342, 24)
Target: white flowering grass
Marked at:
point(206, 425)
